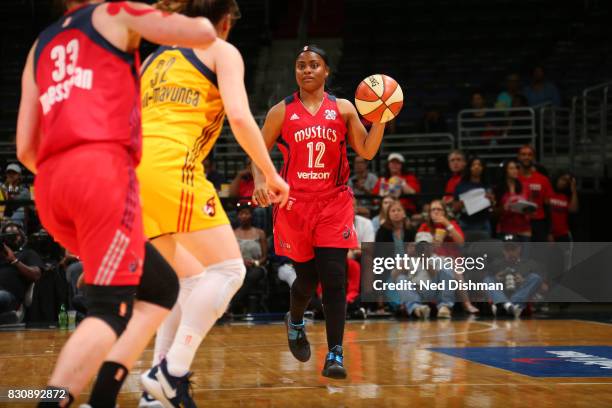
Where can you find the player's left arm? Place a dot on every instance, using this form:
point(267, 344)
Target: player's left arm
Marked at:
point(29, 117)
point(365, 144)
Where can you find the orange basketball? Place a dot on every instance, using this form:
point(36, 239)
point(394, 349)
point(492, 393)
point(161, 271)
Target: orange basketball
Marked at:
point(379, 98)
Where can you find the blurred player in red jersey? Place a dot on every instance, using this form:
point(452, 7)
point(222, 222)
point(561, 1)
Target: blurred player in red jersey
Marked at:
point(79, 130)
point(315, 229)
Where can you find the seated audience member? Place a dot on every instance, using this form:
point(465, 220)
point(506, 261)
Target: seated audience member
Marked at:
point(13, 189)
point(519, 277)
point(456, 164)
point(511, 219)
point(254, 250)
point(242, 186)
point(563, 201)
point(19, 268)
point(540, 90)
point(432, 122)
point(379, 219)
point(505, 99)
point(538, 191)
point(446, 231)
point(396, 228)
point(474, 177)
point(212, 174)
point(362, 183)
point(397, 181)
point(413, 301)
point(364, 230)
point(479, 119)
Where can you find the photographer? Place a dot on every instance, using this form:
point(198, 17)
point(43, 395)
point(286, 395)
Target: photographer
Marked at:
point(12, 189)
point(519, 276)
point(19, 267)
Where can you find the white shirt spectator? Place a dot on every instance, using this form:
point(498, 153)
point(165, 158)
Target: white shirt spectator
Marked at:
point(364, 229)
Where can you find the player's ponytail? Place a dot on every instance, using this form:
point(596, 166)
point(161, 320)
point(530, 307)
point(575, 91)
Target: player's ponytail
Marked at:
point(214, 10)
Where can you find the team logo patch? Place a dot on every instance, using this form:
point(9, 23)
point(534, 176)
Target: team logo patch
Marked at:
point(346, 234)
point(283, 244)
point(210, 207)
point(541, 361)
point(294, 117)
point(330, 114)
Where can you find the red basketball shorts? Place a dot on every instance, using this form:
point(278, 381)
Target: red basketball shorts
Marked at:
point(88, 200)
point(314, 220)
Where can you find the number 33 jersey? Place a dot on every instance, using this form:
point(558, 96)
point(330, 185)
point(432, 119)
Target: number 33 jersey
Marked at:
point(313, 146)
point(89, 89)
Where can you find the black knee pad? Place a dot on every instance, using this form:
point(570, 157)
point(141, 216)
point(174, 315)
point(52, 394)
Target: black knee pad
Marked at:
point(158, 284)
point(331, 267)
point(112, 304)
point(306, 279)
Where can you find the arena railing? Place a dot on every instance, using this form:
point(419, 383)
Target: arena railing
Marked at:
point(498, 134)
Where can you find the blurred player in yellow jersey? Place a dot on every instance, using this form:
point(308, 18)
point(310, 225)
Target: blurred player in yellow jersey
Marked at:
point(185, 95)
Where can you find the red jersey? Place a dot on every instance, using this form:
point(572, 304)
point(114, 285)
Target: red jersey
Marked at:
point(511, 222)
point(559, 213)
point(538, 190)
point(313, 146)
point(89, 89)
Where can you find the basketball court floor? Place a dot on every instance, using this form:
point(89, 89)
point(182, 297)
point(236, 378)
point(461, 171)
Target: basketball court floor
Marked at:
point(464, 363)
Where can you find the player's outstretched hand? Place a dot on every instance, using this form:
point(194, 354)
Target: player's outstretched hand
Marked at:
point(260, 195)
point(278, 190)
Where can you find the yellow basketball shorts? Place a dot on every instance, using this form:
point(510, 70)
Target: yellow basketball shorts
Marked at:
point(175, 194)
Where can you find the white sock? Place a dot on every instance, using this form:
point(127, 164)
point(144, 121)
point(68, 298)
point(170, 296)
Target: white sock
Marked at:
point(210, 295)
point(167, 331)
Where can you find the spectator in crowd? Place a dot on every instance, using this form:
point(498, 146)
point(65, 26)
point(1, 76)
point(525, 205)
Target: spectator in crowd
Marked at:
point(12, 189)
point(438, 224)
point(254, 250)
point(563, 201)
point(432, 122)
point(241, 188)
point(506, 98)
point(474, 177)
point(519, 276)
point(456, 164)
point(19, 268)
point(446, 231)
point(413, 301)
point(364, 230)
point(398, 181)
point(212, 174)
point(540, 90)
point(511, 219)
point(396, 228)
point(538, 191)
point(479, 119)
point(242, 185)
point(379, 219)
point(73, 268)
point(362, 183)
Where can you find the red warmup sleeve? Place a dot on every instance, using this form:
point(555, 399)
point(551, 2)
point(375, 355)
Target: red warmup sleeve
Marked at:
point(353, 274)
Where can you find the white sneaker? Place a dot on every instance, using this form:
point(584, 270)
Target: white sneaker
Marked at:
point(444, 312)
point(147, 401)
point(422, 312)
point(516, 311)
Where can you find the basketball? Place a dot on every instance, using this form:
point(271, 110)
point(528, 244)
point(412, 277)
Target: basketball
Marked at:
point(379, 98)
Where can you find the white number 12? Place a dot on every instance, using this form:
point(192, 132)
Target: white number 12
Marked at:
point(319, 147)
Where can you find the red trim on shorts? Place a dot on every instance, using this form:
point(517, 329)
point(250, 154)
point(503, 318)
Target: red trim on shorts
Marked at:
point(190, 213)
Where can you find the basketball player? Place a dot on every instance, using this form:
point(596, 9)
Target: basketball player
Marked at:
point(79, 130)
point(315, 229)
point(186, 94)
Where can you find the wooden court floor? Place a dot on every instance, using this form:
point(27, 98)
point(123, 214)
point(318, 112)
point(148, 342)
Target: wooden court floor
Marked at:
point(389, 364)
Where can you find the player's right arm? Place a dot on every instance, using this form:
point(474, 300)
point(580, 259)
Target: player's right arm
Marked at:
point(29, 117)
point(230, 77)
point(271, 129)
point(118, 22)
